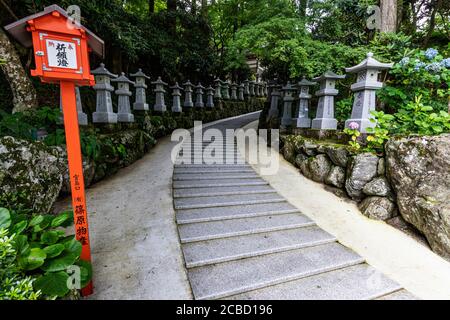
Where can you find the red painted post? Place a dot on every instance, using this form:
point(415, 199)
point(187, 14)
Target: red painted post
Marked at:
point(75, 161)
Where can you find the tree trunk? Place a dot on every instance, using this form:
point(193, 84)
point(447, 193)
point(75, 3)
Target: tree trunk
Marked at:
point(204, 8)
point(302, 4)
point(24, 94)
point(151, 6)
point(432, 22)
point(388, 15)
point(193, 6)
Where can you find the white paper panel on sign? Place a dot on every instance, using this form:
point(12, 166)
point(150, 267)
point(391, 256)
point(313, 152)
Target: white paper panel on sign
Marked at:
point(61, 54)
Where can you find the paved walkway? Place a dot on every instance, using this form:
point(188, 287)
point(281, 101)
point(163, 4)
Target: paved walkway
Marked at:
point(242, 240)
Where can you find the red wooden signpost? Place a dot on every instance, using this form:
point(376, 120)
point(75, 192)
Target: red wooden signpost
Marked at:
point(61, 51)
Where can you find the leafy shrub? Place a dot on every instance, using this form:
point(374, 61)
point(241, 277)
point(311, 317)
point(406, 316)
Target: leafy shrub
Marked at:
point(14, 285)
point(420, 73)
point(40, 254)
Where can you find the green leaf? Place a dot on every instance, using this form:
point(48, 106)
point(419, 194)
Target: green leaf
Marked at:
point(52, 284)
point(34, 259)
point(5, 218)
point(59, 263)
point(19, 227)
point(36, 220)
point(54, 250)
point(49, 237)
point(73, 246)
point(21, 244)
point(60, 219)
point(86, 272)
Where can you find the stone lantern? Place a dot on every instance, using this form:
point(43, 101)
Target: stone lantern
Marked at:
point(275, 95)
point(288, 98)
point(246, 88)
point(233, 91)
point(364, 90)
point(325, 108)
point(303, 120)
point(210, 97)
point(123, 106)
point(226, 90)
point(176, 97)
point(252, 88)
point(160, 104)
point(140, 86)
point(199, 96)
point(104, 109)
point(188, 103)
point(218, 88)
point(241, 92)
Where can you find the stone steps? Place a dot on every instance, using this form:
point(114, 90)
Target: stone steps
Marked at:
point(237, 227)
point(219, 183)
point(398, 295)
point(228, 200)
point(213, 166)
point(359, 282)
point(218, 191)
point(210, 176)
point(203, 253)
point(212, 170)
point(235, 212)
point(239, 276)
point(241, 240)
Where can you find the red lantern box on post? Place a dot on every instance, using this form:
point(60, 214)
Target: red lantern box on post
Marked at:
point(61, 50)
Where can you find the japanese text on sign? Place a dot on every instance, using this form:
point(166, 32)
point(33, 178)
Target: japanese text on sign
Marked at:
point(61, 54)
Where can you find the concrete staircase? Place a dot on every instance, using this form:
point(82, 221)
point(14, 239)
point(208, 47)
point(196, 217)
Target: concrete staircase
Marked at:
point(242, 240)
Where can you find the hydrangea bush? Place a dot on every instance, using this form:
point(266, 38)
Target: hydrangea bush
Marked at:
point(424, 73)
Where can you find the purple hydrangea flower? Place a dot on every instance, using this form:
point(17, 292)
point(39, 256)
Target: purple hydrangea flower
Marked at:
point(433, 67)
point(353, 125)
point(431, 53)
point(419, 65)
point(404, 61)
point(445, 63)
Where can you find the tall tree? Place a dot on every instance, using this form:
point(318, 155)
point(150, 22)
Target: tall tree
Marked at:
point(437, 4)
point(24, 94)
point(151, 6)
point(388, 15)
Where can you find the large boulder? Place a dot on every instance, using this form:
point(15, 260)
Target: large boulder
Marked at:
point(339, 155)
point(30, 175)
point(319, 167)
point(419, 171)
point(88, 170)
point(336, 177)
point(378, 208)
point(362, 169)
point(288, 149)
point(379, 186)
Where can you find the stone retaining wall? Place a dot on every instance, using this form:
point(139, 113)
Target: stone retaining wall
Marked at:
point(412, 182)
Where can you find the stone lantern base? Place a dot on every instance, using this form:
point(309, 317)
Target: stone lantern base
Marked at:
point(104, 117)
point(125, 117)
point(303, 123)
point(324, 124)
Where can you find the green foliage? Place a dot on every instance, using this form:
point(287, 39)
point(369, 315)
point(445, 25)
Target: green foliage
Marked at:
point(418, 73)
point(14, 285)
point(37, 256)
point(353, 142)
point(384, 123)
point(416, 117)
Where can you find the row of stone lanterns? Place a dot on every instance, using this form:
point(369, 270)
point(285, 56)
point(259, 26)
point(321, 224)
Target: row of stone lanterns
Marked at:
point(364, 98)
point(104, 107)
